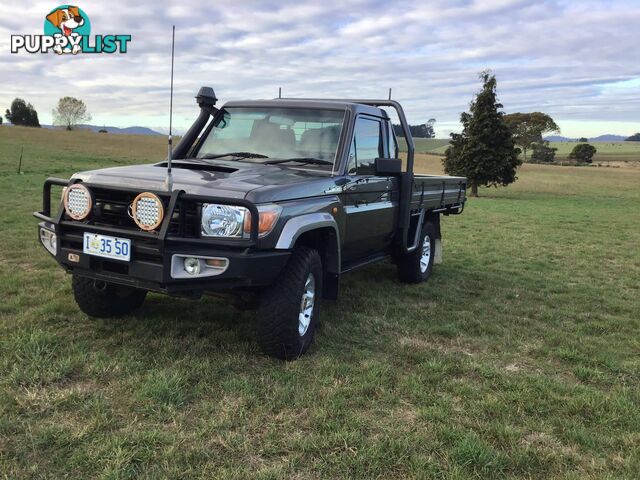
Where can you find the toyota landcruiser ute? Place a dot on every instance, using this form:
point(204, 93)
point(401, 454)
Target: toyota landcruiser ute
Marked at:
point(269, 202)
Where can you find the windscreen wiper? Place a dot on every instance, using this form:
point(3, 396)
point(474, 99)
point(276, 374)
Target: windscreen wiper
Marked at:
point(209, 156)
point(316, 161)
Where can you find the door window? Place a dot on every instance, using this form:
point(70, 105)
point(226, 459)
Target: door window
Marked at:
point(366, 146)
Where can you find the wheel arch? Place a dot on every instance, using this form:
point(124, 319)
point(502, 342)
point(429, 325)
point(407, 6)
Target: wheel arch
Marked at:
point(319, 231)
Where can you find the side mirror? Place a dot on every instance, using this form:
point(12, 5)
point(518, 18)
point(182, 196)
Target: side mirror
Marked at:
point(388, 166)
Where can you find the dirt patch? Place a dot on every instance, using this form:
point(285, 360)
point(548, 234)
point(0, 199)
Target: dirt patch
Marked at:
point(547, 442)
point(512, 368)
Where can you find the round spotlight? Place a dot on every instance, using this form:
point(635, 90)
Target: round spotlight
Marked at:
point(148, 211)
point(192, 266)
point(77, 201)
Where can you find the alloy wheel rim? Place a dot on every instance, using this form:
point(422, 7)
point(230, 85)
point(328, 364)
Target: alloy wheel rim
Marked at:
point(306, 304)
point(426, 254)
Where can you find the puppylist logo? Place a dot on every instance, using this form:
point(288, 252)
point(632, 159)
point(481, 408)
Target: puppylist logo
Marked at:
point(67, 30)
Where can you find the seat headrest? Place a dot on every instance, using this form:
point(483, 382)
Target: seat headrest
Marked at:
point(320, 142)
point(271, 137)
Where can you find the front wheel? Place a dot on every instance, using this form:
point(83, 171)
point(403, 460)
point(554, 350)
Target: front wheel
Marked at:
point(289, 309)
point(102, 299)
point(416, 266)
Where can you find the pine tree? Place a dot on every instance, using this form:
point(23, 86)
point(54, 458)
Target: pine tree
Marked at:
point(485, 151)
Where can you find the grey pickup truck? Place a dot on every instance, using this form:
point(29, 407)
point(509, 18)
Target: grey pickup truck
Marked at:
point(269, 202)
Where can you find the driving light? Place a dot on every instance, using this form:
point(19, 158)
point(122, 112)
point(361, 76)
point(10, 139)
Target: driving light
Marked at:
point(77, 201)
point(222, 220)
point(147, 211)
point(192, 266)
point(267, 217)
point(184, 266)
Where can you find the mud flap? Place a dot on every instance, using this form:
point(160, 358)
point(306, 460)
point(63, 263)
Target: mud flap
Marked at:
point(437, 256)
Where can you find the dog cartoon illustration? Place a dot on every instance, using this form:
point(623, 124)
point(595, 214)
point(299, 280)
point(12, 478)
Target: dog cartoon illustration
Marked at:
point(66, 19)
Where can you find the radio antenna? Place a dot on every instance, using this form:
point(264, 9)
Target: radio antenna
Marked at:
point(170, 140)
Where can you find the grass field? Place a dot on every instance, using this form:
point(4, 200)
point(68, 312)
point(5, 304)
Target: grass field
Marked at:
point(520, 358)
point(607, 151)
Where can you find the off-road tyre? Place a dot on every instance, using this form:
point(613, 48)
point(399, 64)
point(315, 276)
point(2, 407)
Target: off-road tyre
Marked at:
point(102, 299)
point(280, 305)
point(409, 264)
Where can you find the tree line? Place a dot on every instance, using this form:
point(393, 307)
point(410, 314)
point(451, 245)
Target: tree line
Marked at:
point(488, 150)
point(493, 144)
point(425, 130)
point(68, 113)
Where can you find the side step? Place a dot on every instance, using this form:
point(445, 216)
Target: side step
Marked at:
point(364, 262)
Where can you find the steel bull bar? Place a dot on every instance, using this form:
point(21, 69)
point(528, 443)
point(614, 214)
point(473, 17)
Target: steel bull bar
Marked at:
point(159, 243)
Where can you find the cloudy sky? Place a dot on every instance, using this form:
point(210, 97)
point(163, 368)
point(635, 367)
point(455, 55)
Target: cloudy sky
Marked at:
point(577, 60)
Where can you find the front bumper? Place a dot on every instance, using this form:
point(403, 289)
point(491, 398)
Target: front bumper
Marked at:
point(151, 254)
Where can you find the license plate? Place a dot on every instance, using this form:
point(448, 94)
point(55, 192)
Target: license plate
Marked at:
point(107, 247)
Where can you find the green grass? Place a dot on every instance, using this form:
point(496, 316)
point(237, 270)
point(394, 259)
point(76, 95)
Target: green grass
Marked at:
point(607, 151)
point(431, 145)
point(519, 358)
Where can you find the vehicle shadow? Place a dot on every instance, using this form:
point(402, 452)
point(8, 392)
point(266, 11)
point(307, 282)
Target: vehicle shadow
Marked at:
point(370, 300)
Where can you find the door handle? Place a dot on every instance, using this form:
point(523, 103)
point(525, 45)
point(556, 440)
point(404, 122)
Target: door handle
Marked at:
point(342, 181)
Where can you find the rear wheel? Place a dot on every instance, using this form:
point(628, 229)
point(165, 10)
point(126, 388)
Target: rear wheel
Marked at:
point(289, 309)
point(416, 266)
point(102, 299)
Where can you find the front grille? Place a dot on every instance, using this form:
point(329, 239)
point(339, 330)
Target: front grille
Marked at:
point(113, 208)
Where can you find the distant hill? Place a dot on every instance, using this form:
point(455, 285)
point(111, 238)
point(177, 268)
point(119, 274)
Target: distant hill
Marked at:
point(602, 138)
point(608, 138)
point(116, 130)
point(127, 130)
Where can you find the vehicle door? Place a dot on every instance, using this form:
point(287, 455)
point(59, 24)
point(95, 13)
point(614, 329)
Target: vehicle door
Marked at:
point(370, 204)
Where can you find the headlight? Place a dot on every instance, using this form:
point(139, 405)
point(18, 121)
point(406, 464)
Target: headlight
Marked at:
point(222, 220)
point(77, 201)
point(147, 211)
point(235, 222)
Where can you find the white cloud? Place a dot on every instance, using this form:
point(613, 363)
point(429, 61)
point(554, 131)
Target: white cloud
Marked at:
point(577, 61)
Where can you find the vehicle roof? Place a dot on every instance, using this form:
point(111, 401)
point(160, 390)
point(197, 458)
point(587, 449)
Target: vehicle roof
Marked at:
point(311, 103)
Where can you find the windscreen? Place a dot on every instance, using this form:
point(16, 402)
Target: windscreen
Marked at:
point(276, 133)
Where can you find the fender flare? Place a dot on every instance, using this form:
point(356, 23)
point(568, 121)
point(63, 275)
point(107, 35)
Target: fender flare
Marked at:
point(296, 226)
